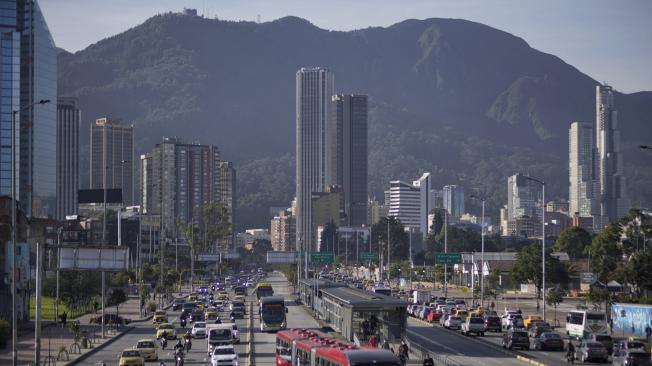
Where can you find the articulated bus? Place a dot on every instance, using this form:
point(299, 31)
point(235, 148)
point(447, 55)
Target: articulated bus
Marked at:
point(262, 290)
point(272, 312)
point(581, 324)
point(307, 347)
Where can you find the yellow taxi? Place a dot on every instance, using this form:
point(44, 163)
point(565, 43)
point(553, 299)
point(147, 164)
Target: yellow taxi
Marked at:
point(210, 316)
point(160, 312)
point(159, 319)
point(200, 305)
point(192, 298)
point(168, 329)
point(530, 319)
point(462, 314)
point(147, 348)
point(131, 357)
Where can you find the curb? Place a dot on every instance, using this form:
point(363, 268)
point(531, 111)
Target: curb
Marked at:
point(98, 348)
point(519, 356)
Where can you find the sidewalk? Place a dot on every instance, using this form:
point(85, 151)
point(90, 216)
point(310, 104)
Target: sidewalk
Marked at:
point(55, 337)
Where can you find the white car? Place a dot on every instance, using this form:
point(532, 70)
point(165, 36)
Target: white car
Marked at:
point(224, 356)
point(199, 330)
point(506, 319)
point(453, 322)
point(219, 305)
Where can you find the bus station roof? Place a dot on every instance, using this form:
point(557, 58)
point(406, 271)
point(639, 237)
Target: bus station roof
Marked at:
point(355, 298)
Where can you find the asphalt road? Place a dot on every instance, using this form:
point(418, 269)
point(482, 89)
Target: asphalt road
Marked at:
point(197, 355)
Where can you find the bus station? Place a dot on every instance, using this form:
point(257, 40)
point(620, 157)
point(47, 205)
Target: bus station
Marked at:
point(359, 315)
point(308, 287)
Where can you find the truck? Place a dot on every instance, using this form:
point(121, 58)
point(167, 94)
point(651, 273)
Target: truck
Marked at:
point(420, 296)
point(219, 335)
point(630, 320)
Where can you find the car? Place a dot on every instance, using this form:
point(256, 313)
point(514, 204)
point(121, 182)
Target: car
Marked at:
point(473, 325)
point(629, 344)
point(168, 329)
point(159, 319)
point(589, 350)
point(514, 321)
point(198, 330)
point(110, 319)
point(131, 357)
point(147, 348)
point(196, 315)
point(177, 304)
point(605, 339)
point(529, 319)
point(434, 316)
point(453, 322)
point(423, 314)
point(539, 328)
point(492, 323)
point(219, 305)
point(631, 357)
point(516, 338)
point(548, 341)
point(224, 356)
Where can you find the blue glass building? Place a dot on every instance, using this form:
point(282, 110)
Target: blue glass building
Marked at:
point(28, 73)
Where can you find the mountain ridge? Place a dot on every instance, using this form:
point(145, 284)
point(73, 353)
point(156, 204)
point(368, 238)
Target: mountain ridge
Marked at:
point(452, 85)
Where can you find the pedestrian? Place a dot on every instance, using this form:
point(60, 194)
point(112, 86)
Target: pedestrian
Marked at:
point(403, 352)
point(64, 319)
point(95, 306)
point(537, 306)
point(373, 341)
point(428, 361)
point(648, 332)
point(493, 305)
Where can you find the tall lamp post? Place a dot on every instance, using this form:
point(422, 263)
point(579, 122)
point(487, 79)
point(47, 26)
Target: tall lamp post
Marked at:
point(14, 317)
point(481, 199)
point(543, 241)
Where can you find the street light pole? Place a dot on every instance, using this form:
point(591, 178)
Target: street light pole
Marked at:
point(445, 251)
point(543, 241)
point(14, 228)
point(482, 255)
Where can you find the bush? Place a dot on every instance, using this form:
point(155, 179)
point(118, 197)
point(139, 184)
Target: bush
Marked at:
point(5, 331)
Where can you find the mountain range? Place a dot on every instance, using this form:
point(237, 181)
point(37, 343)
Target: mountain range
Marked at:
point(469, 103)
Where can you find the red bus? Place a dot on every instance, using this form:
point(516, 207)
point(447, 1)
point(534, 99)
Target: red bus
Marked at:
point(333, 356)
point(285, 343)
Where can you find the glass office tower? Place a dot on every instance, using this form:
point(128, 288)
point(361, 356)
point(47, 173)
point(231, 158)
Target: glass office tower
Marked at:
point(28, 73)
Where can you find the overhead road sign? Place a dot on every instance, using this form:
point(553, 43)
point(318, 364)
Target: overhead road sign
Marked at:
point(103, 259)
point(281, 257)
point(448, 258)
point(113, 195)
point(368, 256)
point(322, 257)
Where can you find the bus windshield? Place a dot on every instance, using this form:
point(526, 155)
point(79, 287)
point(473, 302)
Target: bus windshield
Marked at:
point(273, 312)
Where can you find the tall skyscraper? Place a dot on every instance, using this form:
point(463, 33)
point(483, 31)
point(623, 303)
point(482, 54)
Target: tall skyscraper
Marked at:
point(453, 199)
point(282, 231)
point(68, 124)
point(411, 203)
point(29, 75)
point(314, 88)
point(178, 180)
point(523, 198)
point(614, 202)
point(583, 180)
point(112, 157)
point(346, 152)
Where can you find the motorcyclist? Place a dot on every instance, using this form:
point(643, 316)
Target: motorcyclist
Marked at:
point(188, 341)
point(178, 347)
point(164, 340)
point(570, 353)
point(232, 316)
point(183, 322)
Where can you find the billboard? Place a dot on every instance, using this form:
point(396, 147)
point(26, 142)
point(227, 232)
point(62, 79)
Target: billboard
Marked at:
point(113, 195)
point(281, 257)
point(105, 259)
point(630, 320)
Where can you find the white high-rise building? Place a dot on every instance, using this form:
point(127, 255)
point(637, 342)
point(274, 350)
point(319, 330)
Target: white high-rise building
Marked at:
point(411, 203)
point(614, 202)
point(523, 198)
point(583, 180)
point(314, 88)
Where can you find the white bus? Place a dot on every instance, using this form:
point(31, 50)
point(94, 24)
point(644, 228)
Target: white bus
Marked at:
point(581, 324)
point(272, 312)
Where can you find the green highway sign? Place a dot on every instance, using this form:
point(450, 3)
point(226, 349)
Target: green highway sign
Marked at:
point(322, 257)
point(448, 258)
point(368, 256)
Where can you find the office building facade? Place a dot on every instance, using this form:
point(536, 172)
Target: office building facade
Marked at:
point(314, 88)
point(283, 231)
point(614, 202)
point(346, 152)
point(112, 157)
point(453, 200)
point(523, 197)
point(410, 203)
point(583, 190)
point(68, 125)
point(29, 75)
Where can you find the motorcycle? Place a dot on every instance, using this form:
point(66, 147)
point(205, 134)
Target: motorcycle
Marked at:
point(183, 323)
point(178, 358)
point(164, 342)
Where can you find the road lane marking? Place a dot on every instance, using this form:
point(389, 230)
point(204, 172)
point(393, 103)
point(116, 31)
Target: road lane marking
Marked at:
point(451, 350)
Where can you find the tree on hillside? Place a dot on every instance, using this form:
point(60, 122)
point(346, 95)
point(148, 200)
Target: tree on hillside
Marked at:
point(573, 240)
point(640, 271)
point(604, 251)
point(398, 238)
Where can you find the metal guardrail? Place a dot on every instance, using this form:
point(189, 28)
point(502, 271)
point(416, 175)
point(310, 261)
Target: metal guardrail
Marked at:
point(440, 360)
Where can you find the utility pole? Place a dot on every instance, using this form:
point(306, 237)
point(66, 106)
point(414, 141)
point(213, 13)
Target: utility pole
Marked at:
point(104, 158)
point(39, 280)
point(445, 251)
point(389, 277)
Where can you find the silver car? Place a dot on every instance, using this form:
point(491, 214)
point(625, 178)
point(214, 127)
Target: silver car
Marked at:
point(453, 322)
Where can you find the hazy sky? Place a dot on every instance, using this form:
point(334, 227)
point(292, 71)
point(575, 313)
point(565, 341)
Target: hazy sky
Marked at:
point(610, 40)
